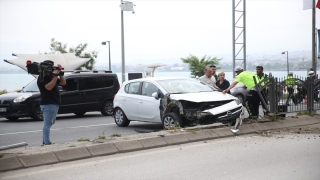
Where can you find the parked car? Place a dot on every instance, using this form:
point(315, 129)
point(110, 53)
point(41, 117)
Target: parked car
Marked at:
point(173, 101)
point(84, 92)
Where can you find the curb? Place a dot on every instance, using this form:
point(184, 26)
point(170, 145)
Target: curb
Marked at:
point(202, 133)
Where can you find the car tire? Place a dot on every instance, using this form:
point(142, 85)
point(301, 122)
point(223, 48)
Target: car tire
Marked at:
point(80, 113)
point(241, 98)
point(10, 118)
point(107, 108)
point(171, 119)
point(120, 118)
point(37, 114)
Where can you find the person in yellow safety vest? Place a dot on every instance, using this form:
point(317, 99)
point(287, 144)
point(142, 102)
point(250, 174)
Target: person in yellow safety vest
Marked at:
point(260, 76)
point(246, 77)
point(289, 82)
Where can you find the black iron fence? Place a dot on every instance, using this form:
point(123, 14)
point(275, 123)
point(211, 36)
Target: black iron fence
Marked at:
point(289, 94)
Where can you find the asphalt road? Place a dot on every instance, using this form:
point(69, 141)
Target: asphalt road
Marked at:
point(243, 157)
point(68, 128)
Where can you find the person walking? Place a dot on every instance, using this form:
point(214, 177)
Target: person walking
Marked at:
point(208, 78)
point(252, 97)
point(289, 82)
point(222, 83)
point(50, 100)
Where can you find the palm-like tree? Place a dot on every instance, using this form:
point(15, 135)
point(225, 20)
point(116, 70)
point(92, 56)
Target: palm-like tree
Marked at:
point(197, 66)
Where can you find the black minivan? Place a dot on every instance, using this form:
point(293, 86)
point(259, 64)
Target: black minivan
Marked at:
point(85, 91)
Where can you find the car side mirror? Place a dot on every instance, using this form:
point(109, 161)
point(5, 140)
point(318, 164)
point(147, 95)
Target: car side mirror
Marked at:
point(155, 95)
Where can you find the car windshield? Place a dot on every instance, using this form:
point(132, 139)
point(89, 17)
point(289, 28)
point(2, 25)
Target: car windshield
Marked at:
point(31, 87)
point(176, 86)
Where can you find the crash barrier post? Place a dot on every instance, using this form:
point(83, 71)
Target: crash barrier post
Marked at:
point(13, 146)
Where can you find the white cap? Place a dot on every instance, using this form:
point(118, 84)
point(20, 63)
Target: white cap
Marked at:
point(238, 68)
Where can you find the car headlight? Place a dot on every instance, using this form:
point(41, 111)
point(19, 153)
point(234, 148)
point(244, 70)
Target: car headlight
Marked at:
point(237, 101)
point(21, 98)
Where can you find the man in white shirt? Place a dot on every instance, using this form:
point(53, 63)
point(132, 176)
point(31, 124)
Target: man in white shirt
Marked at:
point(208, 78)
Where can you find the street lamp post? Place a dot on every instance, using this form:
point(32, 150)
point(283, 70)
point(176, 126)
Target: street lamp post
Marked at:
point(125, 6)
point(286, 52)
point(104, 43)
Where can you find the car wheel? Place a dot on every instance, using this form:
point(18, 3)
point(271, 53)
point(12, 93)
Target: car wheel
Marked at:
point(12, 118)
point(80, 113)
point(120, 118)
point(37, 114)
point(107, 108)
point(241, 98)
point(171, 119)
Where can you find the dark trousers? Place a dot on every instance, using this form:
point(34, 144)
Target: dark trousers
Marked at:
point(252, 103)
point(291, 95)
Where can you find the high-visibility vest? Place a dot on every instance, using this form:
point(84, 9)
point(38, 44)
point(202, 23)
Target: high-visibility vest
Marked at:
point(290, 81)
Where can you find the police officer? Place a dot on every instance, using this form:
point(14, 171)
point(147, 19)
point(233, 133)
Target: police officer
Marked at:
point(261, 76)
point(289, 82)
point(252, 97)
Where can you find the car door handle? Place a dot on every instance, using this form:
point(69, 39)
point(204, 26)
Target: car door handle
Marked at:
point(124, 99)
point(140, 101)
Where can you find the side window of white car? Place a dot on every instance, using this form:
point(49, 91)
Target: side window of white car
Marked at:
point(148, 89)
point(132, 88)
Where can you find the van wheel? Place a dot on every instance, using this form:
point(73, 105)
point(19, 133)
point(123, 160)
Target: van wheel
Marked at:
point(120, 118)
point(171, 119)
point(12, 118)
point(37, 114)
point(107, 108)
point(80, 113)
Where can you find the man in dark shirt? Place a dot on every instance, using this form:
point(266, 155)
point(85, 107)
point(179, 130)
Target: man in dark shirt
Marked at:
point(50, 101)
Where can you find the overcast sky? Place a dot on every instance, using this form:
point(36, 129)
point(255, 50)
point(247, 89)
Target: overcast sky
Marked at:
point(159, 31)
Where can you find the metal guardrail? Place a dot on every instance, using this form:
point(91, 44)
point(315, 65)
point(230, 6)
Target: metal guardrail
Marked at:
point(13, 146)
point(304, 95)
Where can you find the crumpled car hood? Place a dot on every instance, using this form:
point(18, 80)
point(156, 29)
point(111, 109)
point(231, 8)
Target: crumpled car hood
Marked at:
point(202, 96)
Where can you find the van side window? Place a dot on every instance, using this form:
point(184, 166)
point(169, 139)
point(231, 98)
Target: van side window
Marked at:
point(107, 81)
point(90, 83)
point(71, 84)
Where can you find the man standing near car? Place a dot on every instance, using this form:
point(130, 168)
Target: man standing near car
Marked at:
point(214, 69)
point(260, 76)
point(50, 100)
point(252, 97)
point(208, 78)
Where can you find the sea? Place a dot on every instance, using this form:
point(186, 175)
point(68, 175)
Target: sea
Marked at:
point(13, 82)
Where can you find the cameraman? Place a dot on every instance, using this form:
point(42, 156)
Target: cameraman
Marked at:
point(50, 100)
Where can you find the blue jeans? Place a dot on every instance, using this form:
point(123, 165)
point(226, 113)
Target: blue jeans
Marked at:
point(49, 118)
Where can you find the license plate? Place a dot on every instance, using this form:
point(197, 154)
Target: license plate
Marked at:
point(3, 109)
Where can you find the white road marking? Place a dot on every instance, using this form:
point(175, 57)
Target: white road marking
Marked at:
point(57, 129)
point(62, 128)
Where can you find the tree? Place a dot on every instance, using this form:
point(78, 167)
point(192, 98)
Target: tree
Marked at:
point(197, 66)
point(56, 46)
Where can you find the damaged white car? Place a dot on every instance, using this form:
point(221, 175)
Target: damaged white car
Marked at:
point(174, 101)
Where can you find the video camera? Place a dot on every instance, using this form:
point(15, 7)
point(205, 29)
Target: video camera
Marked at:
point(45, 68)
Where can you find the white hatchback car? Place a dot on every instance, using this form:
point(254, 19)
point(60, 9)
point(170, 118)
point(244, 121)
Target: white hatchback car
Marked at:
point(173, 101)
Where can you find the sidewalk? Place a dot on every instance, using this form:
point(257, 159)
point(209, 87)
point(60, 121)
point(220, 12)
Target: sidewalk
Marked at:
point(42, 155)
